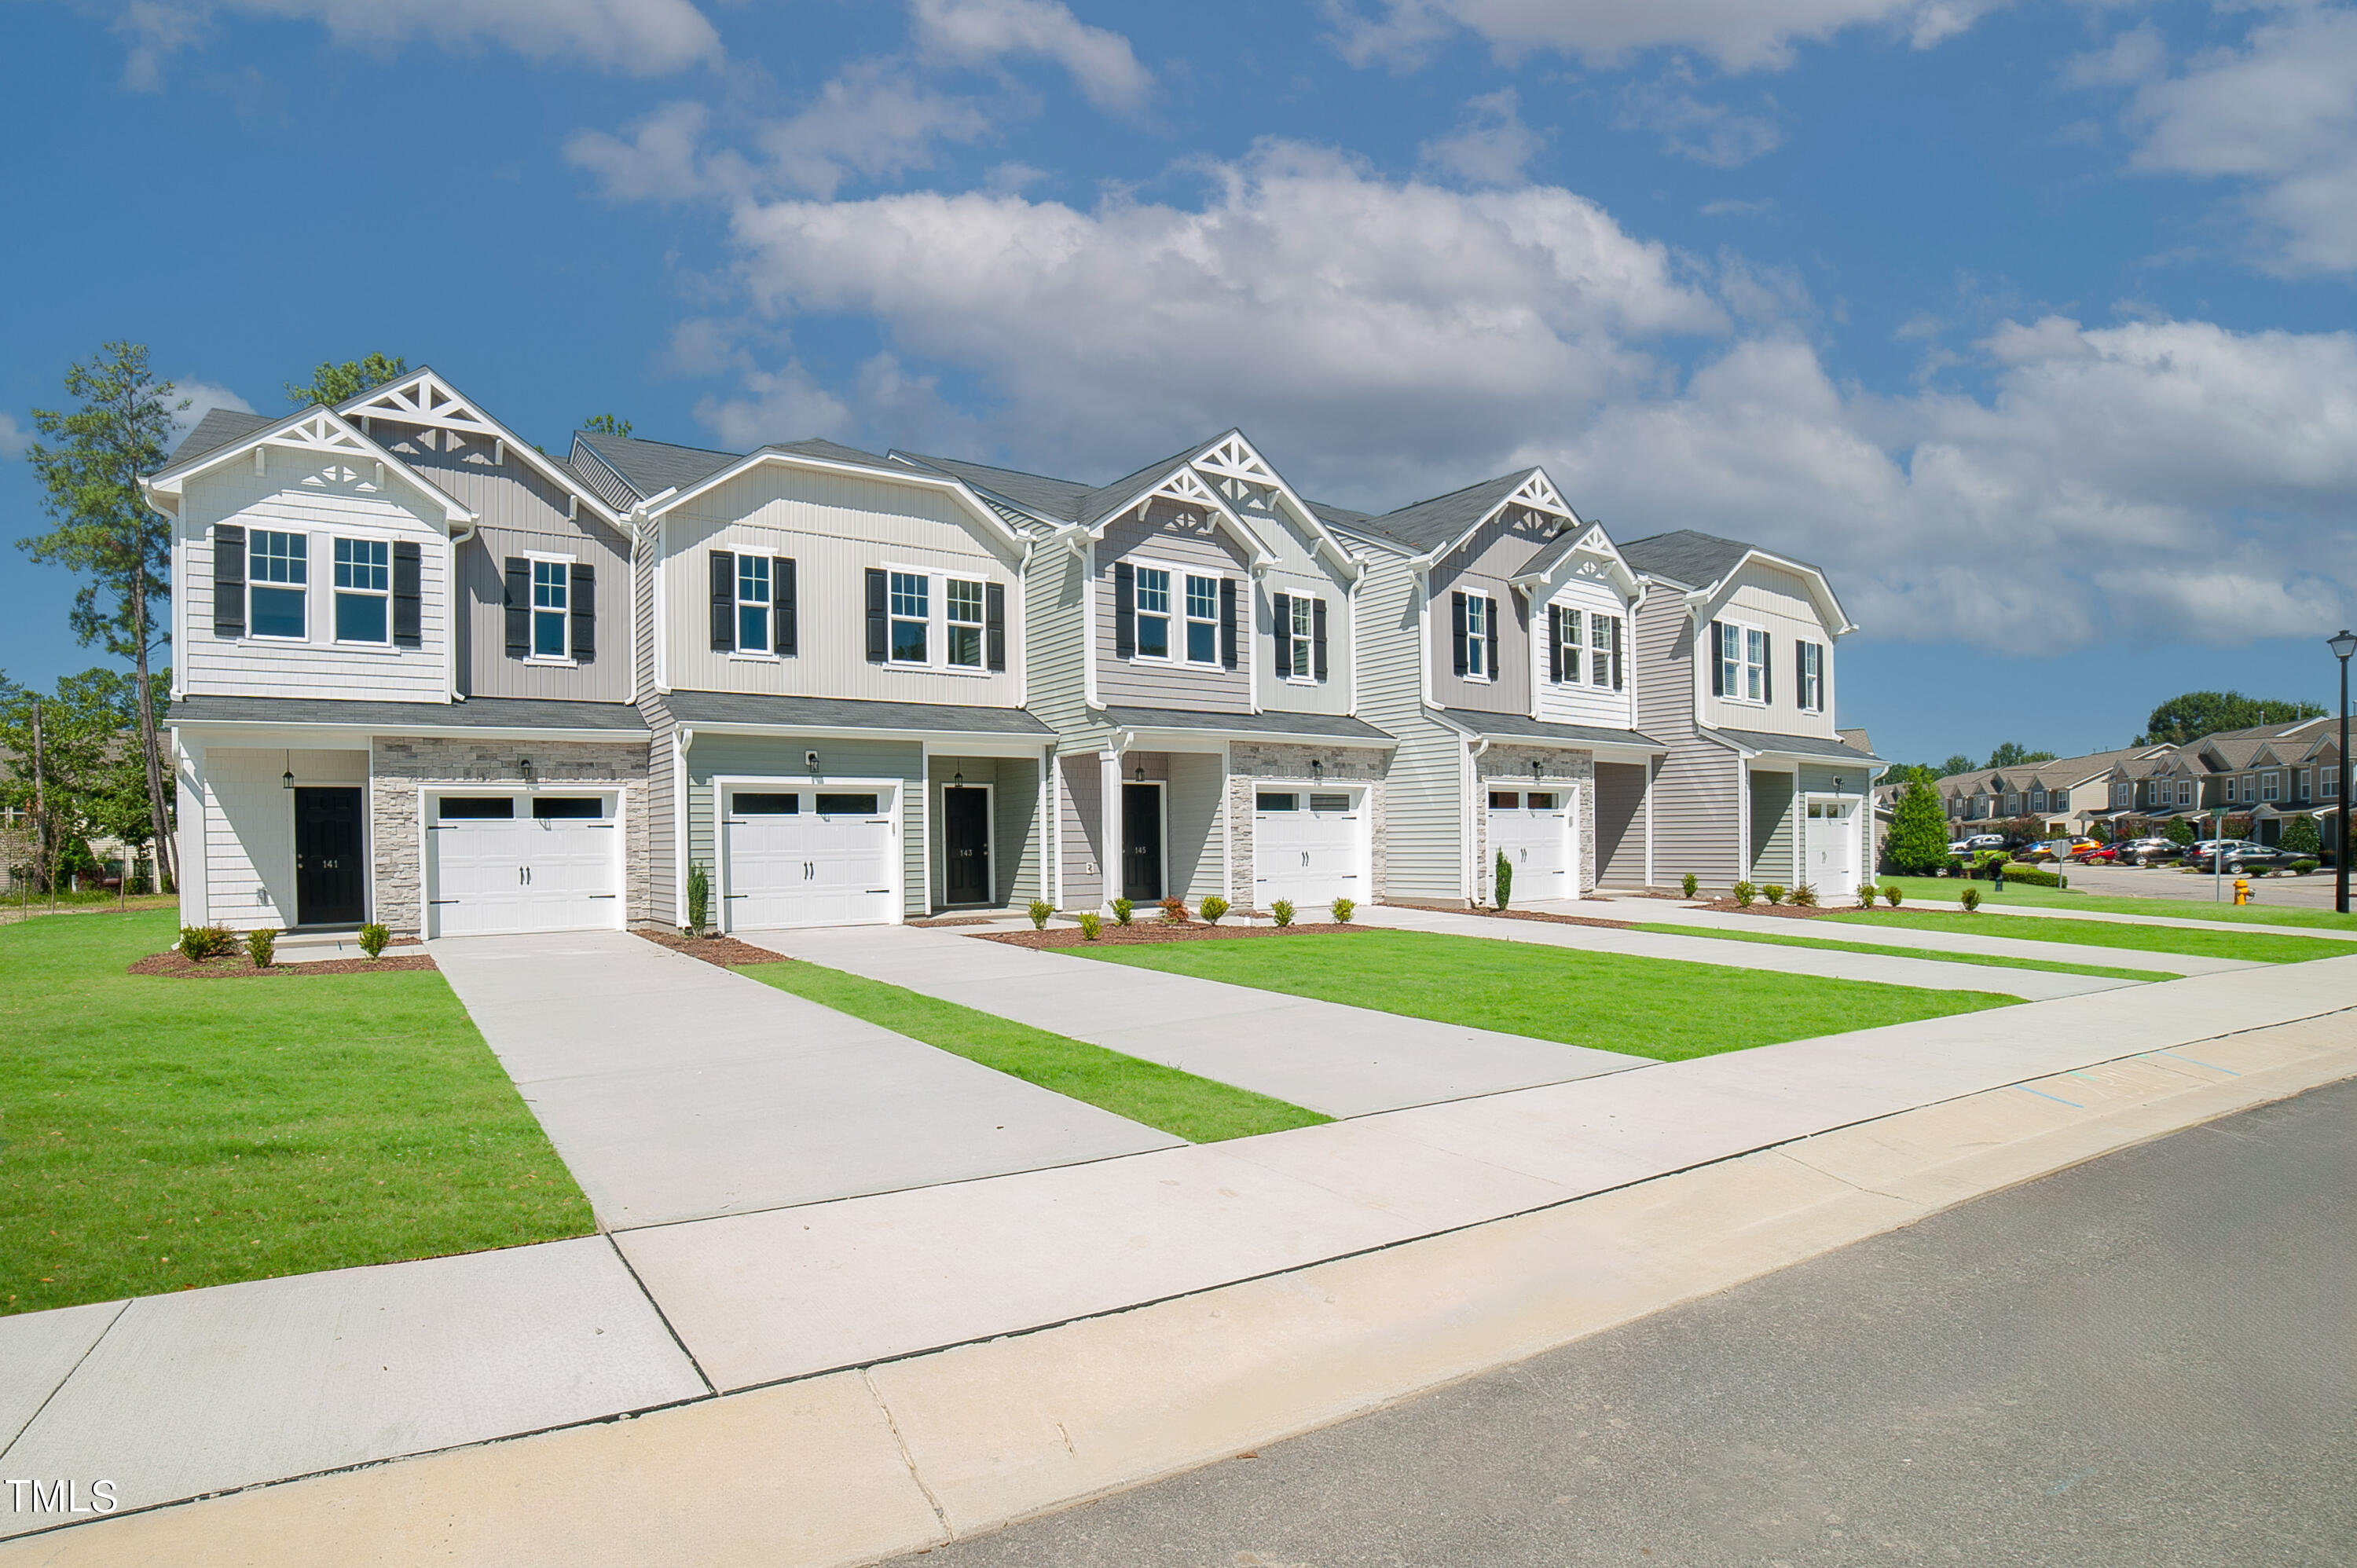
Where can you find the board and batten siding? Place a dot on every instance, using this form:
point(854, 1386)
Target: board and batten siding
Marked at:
point(1698, 793)
point(1300, 571)
point(1778, 603)
point(1015, 836)
point(1482, 567)
point(1580, 702)
point(323, 500)
point(1424, 792)
point(834, 527)
point(781, 757)
point(485, 668)
point(1168, 538)
point(248, 822)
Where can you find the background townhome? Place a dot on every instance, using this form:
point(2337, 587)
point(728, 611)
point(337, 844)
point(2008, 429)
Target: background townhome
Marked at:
point(1497, 651)
point(832, 663)
point(2060, 795)
point(1195, 652)
point(396, 696)
point(1735, 674)
point(2271, 774)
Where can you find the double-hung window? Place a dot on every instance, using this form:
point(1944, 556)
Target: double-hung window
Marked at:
point(1203, 621)
point(552, 600)
point(1570, 640)
point(1153, 613)
point(1300, 632)
point(1600, 648)
point(1477, 638)
point(1743, 661)
point(912, 610)
point(1754, 664)
point(2328, 780)
point(277, 568)
point(2185, 791)
point(1813, 677)
point(963, 633)
point(364, 590)
point(2270, 786)
point(2038, 800)
point(756, 600)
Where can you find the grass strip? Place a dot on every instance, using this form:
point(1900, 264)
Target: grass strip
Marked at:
point(1987, 960)
point(2065, 900)
point(2253, 947)
point(166, 1133)
point(1663, 1008)
point(1198, 1110)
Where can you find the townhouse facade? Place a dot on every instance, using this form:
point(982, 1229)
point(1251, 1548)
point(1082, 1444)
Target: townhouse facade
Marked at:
point(431, 677)
point(2069, 794)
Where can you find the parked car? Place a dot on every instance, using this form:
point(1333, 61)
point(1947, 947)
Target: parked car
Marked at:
point(2143, 851)
point(2096, 855)
point(2055, 849)
point(1966, 848)
point(2238, 854)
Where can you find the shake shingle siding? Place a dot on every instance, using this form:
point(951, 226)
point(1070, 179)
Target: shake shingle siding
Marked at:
point(1697, 811)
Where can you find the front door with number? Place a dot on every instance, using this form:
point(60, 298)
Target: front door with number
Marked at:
point(965, 844)
point(1141, 843)
point(328, 857)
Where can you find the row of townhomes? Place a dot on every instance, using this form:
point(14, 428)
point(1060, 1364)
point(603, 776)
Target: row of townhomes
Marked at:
point(429, 676)
point(2270, 774)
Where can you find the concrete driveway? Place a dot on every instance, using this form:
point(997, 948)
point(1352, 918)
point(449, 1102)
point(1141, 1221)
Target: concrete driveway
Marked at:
point(676, 1091)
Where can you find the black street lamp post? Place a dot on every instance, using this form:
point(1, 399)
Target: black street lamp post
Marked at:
point(2342, 647)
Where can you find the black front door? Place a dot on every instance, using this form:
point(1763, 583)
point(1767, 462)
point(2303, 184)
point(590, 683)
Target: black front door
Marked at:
point(328, 857)
point(1141, 843)
point(965, 839)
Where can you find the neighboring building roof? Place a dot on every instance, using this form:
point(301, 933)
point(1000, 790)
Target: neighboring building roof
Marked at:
point(1056, 498)
point(401, 718)
point(650, 468)
point(1795, 745)
point(1331, 727)
point(724, 708)
point(1426, 525)
point(1855, 739)
point(1518, 726)
point(2057, 770)
point(1340, 516)
point(218, 428)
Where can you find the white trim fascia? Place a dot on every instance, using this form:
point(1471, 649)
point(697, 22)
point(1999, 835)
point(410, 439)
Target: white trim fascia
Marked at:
point(1087, 547)
point(343, 734)
point(953, 743)
point(1218, 740)
point(1323, 537)
point(173, 481)
point(363, 406)
point(955, 489)
point(925, 844)
point(1049, 837)
point(1424, 653)
point(1351, 620)
point(1019, 592)
point(1829, 609)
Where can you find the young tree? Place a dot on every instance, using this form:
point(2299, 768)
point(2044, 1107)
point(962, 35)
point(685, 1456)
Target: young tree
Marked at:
point(88, 467)
point(2196, 713)
point(332, 383)
point(1918, 841)
point(605, 425)
point(2181, 832)
point(2300, 837)
point(1911, 773)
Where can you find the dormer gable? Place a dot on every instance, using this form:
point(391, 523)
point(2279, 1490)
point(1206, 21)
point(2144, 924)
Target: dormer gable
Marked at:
point(317, 435)
point(423, 402)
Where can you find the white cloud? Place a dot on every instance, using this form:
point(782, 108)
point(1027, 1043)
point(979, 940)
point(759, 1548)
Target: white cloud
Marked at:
point(2278, 113)
point(1490, 145)
point(639, 38)
point(202, 398)
point(14, 437)
point(1739, 35)
point(1709, 134)
point(658, 161)
point(2132, 57)
point(788, 404)
point(983, 32)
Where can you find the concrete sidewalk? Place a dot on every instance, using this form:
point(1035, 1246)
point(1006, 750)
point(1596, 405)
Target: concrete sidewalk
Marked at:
point(677, 1090)
point(1930, 974)
point(1339, 1060)
point(2107, 916)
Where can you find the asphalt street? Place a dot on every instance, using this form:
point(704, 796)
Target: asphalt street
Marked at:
point(2148, 1359)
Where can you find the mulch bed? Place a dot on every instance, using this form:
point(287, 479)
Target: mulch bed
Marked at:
point(955, 920)
point(1145, 932)
point(1773, 911)
point(726, 951)
point(176, 964)
point(1555, 920)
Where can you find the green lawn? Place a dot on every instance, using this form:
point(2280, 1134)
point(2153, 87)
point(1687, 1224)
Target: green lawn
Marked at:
point(161, 1133)
point(1196, 1109)
point(1944, 890)
point(1649, 1008)
point(2257, 947)
point(1987, 960)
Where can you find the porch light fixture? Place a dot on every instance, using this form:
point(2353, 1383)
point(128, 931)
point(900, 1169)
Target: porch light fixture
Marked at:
point(523, 766)
point(286, 780)
point(1535, 769)
point(810, 761)
point(1140, 774)
point(959, 777)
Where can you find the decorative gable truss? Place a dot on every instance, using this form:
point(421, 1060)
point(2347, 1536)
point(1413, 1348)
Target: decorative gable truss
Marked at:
point(1539, 494)
point(425, 402)
point(1243, 478)
point(1195, 500)
point(340, 453)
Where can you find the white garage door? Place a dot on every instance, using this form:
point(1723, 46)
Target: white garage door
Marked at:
point(1308, 845)
point(803, 856)
point(1532, 829)
point(501, 864)
point(1830, 849)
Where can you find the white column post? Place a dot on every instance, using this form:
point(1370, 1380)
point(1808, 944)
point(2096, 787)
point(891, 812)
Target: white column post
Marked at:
point(1652, 766)
point(1109, 828)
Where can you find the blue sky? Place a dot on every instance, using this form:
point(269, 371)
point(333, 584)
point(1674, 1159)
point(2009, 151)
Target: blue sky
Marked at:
point(2030, 321)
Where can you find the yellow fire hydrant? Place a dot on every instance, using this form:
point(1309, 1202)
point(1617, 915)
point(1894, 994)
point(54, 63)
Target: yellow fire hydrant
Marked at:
point(2242, 890)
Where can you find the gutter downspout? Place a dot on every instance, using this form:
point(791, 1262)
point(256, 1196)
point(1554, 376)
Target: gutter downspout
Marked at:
point(1467, 857)
point(683, 737)
point(450, 599)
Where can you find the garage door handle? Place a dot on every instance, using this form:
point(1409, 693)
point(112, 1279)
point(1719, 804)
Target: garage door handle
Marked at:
point(724, 895)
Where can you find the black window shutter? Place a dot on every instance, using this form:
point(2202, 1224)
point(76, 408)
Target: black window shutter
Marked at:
point(787, 638)
point(1718, 664)
point(1317, 633)
point(1555, 644)
point(724, 601)
point(408, 593)
point(1457, 626)
point(1493, 639)
point(1125, 610)
point(993, 625)
point(879, 631)
point(584, 613)
point(1281, 618)
point(1227, 623)
point(1766, 668)
point(1801, 671)
point(1616, 652)
point(517, 574)
point(229, 581)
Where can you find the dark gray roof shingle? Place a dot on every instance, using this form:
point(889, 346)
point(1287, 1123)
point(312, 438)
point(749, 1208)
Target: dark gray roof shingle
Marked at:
point(401, 718)
point(1801, 745)
point(1697, 560)
point(1105, 498)
point(719, 708)
point(1059, 499)
point(1519, 726)
point(1326, 726)
point(652, 467)
point(1428, 524)
point(220, 427)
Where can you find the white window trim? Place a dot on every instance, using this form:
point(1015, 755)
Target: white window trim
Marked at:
point(359, 644)
point(1743, 665)
point(1305, 672)
point(981, 666)
point(1479, 639)
point(552, 661)
point(1814, 678)
point(302, 589)
point(937, 621)
point(1176, 616)
point(768, 655)
point(1592, 652)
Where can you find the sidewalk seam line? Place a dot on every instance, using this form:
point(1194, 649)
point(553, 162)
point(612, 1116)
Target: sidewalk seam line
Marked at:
point(892, 1424)
point(17, 1435)
point(661, 1316)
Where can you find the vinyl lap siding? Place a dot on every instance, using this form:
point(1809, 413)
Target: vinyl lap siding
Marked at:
point(1697, 809)
point(1619, 825)
point(1425, 790)
point(1195, 832)
point(1015, 848)
point(662, 813)
point(1078, 795)
point(485, 669)
point(1772, 842)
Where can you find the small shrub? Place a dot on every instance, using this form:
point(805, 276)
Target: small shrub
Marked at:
point(1174, 911)
point(1212, 908)
point(1092, 925)
point(1282, 911)
point(199, 944)
point(1744, 894)
point(2035, 876)
point(1505, 879)
point(1970, 899)
point(259, 945)
point(1039, 911)
point(1122, 910)
point(699, 897)
point(1804, 897)
point(1688, 883)
point(2302, 868)
point(1774, 892)
point(1343, 909)
point(1893, 893)
point(372, 939)
point(1866, 894)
